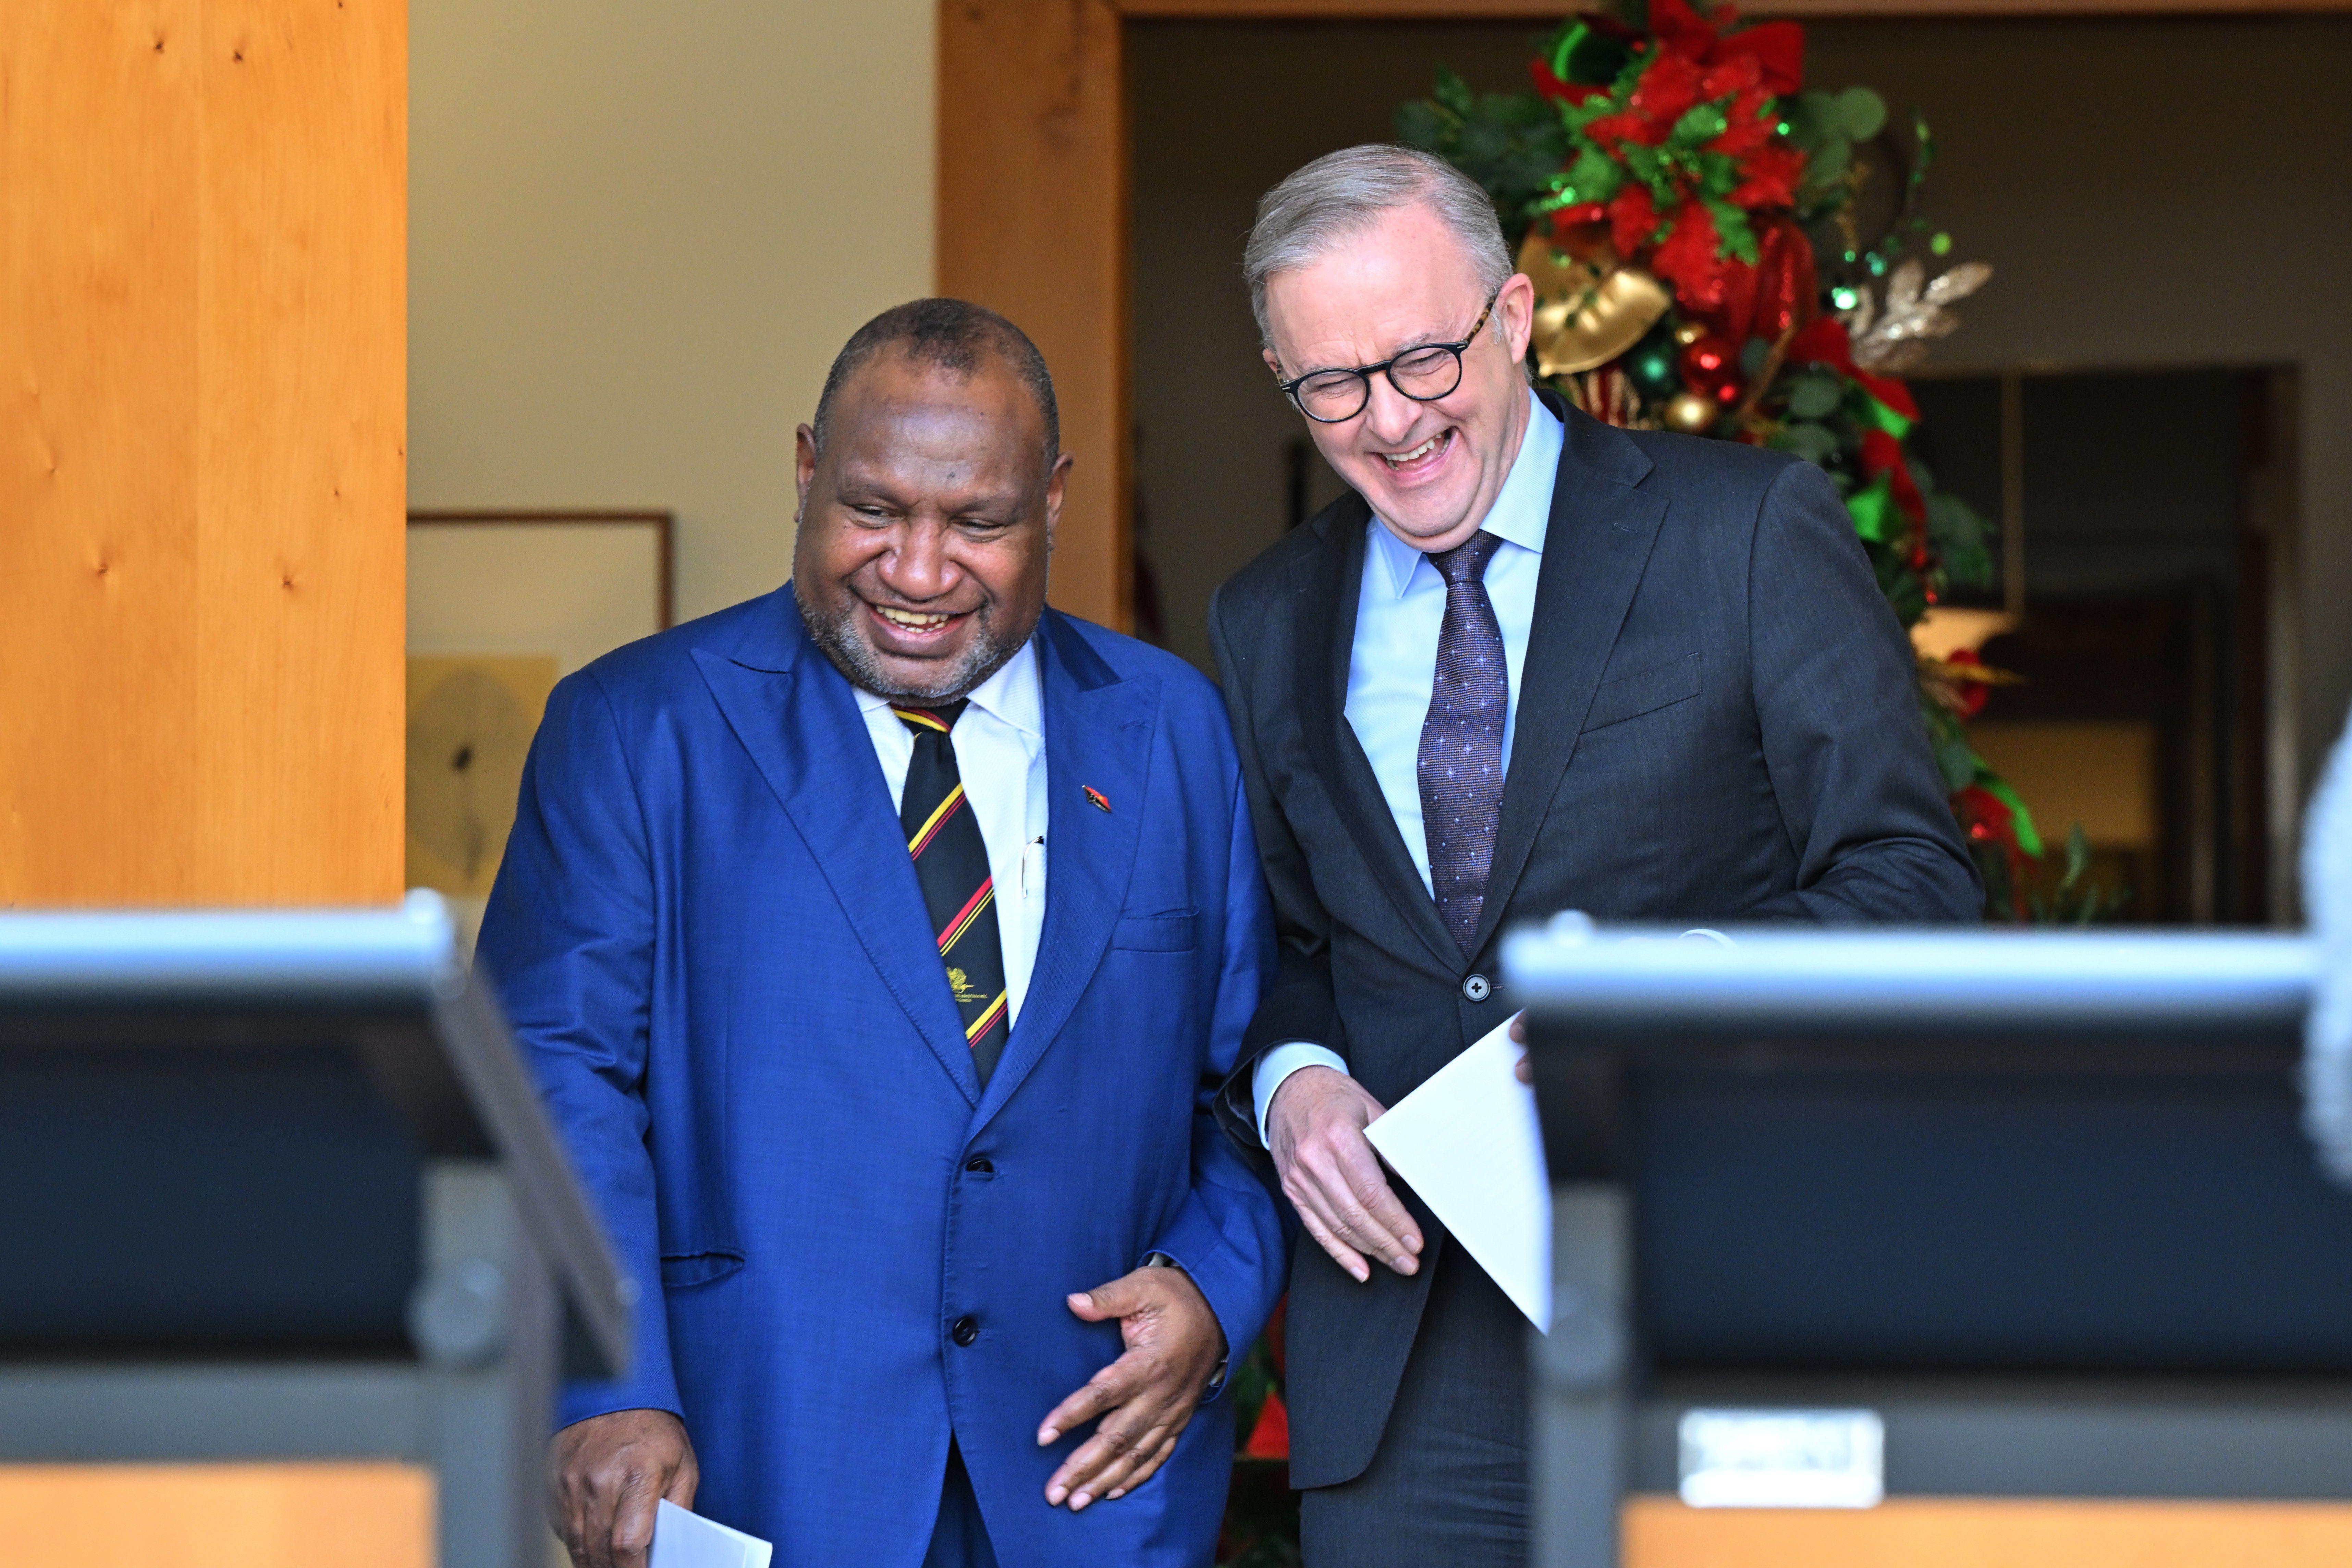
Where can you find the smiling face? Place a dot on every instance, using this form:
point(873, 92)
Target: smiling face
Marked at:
point(924, 526)
point(1430, 470)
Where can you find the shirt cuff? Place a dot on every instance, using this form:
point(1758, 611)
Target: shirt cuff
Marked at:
point(1279, 1063)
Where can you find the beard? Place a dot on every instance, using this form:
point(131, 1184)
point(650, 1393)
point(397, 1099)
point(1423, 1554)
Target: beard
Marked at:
point(837, 634)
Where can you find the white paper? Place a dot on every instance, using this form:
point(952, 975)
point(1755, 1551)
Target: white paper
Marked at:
point(684, 1539)
point(1783, 1458)
point(1469, 1141)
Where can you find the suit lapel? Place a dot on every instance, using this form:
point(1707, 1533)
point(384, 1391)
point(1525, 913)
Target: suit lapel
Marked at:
point(1329, 581)
point(1098, 732)
point(797, 717)
point(1596, 545)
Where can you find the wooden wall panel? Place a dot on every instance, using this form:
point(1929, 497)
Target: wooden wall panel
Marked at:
point(1991, 1532)
point(1033, 223)
point(217, 1516)
point(202, 217)
point(97, 484)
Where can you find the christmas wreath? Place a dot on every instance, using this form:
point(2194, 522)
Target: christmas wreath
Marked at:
point(1694, 218)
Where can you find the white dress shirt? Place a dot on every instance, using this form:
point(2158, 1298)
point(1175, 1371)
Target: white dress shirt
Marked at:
point(1000, 746)
point(1392, 664)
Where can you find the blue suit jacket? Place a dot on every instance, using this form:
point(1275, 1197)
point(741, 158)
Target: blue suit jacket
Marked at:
point(711, 940)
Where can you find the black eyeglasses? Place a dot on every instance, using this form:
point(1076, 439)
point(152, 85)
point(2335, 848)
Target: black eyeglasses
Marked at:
point(1424, 375)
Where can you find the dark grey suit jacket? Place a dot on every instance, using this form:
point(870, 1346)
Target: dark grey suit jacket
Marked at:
point(1717, 723)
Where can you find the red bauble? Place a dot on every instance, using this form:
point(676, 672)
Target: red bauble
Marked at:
point(1711, 369)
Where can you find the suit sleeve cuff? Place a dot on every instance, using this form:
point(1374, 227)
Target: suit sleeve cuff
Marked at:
point(1279, 1063)
point(1209, 1266)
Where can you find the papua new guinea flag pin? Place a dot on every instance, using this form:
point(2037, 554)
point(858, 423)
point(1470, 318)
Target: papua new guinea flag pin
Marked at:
point(1100, 800)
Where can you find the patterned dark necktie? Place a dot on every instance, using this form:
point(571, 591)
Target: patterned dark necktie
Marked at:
point(1460, 767)
point(951, 863)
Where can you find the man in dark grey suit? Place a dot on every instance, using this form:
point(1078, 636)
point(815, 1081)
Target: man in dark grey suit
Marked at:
point(1532, 663)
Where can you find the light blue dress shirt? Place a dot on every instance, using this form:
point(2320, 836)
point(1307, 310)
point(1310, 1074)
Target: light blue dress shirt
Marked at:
point(1392, 664)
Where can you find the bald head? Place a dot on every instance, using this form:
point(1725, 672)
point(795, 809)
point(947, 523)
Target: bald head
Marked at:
point(950, 336)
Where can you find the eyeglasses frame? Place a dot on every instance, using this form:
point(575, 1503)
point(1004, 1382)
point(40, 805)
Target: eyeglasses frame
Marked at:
point(1364, 373)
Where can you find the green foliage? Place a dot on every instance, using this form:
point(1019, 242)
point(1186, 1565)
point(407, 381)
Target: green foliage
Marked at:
point(1512, 143)
point(1955, 758)
point(1679, 168)
point(2076, 902)
point(1901, 586)
point(1578, 52)
point(1860, 113)
point(1823, 416)
point(1826, 125)
point(2021, 819)
point(1594, 176)
point(1960, 534)
point(1814, 395)
point(1813, 443)
point(2002, 901)
point(1735, 236)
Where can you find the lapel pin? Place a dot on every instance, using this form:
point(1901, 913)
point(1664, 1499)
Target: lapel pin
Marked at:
point(1100, 800)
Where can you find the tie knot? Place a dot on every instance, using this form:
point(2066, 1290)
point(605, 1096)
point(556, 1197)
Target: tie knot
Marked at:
point(938, 716)
point(1466, 562)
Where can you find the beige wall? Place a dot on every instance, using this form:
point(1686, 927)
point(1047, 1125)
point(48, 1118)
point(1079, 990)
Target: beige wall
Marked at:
point(638, 234)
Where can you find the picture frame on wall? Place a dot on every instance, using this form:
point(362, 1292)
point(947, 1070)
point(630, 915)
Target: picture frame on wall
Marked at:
point(501, 606)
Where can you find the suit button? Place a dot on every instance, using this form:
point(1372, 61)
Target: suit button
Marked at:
point(1477, 988)
point(966, 1330)
point(978, 1166)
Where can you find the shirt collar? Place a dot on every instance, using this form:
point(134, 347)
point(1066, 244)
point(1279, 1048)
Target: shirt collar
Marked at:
point(1522, 510)
point(1010, 695)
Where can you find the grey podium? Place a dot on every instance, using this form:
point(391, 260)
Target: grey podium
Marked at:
point(277, 1186)
point(2038, 1209)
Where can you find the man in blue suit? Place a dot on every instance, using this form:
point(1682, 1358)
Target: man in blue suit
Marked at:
point(880, 944)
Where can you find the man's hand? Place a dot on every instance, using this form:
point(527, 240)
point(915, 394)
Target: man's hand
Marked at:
point(604, 1477)
point(1315, 1130)
point(1526, 1069)
point(1173, 1346)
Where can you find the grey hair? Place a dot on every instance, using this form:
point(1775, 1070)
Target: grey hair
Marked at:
point(1333, 199)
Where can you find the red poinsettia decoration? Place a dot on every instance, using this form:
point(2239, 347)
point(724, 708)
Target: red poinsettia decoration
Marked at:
point(1992, 824)
point(1680, 156)
point(1776, 48)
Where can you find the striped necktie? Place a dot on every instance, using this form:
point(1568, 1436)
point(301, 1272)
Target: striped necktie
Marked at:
point(951, 863)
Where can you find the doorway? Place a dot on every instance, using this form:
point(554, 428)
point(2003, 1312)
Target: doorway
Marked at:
point(2048, 171)
point(2146, 521)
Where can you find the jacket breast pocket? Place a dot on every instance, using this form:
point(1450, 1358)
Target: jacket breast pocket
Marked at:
point(682, 1270)
point(1645, 691)
point(1170, 933)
